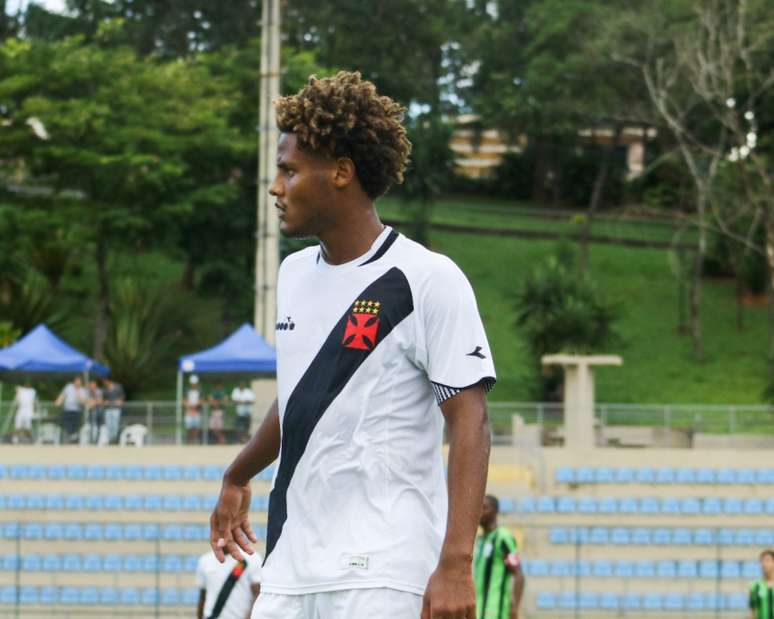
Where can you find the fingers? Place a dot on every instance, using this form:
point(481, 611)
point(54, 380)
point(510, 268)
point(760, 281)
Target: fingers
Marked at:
point(216, 538)
point(242, 540)
point(249, 531)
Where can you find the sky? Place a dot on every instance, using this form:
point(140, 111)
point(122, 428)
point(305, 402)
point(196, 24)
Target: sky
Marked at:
point(52, 5)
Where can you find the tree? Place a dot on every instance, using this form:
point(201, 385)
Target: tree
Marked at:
point(136, 143)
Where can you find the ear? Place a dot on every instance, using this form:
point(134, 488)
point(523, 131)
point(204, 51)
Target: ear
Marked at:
point(345, 172)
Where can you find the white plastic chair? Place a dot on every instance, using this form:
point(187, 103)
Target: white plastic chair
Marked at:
point(133, 435)
point(49, 433)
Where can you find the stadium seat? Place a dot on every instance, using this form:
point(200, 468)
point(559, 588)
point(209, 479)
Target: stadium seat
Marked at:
point(108, 596)
point(537, 568)
point(16, 501)
point(545, 505)
point(624, 475)
point(730, 569)
point(607, 505)
point(713, 601)
point(602, 569)
point(628, 505)
point(736, 601)
point(133, 502)
point(150, 563)
point(115, 472)
point(29, 595)
point(69, 596)
point(562, 569)
point(587, 505)
point(196, 533)
point(666, 569)
point(568, 600)
point(620, 536)
point(76, 472)
point(609, 601)
point(565, 475)
point(9, 562)
point(744, 537)
point(212, 473)
point(8, 594)
point(36, 471)
point(190, 596)
point(172, 533)
point(685, 476)
point(92, 532)
point(170, 597)
point(770, 506)
point(172, 473)
point(129, 596)
point(546, 600)
point(649, 505)
point(209, 502)
point(623, 569)
point(690, 507)
point(53, 531)
point(112, 563)
point(32, 531)
point(711, 506)
point(113, 532)
point(644, 569)
point(72, 563)
point(588, 600)
point(153, 473)
point(133, 472)
point(708, 569)
point(113, 502)
point(19, 471)
point(32, 563)
point(566, 505)
point(11, 530)
point(764, 476)
point(132, 563)
point(150, 532)
point(174, 503)
point(687, 569)
point(665, 475)
point(726, 477)
point(670, 505)
point(745, 476)
point(704, 537)
point(526, 505)
point(52, 563)
point(74, 502)
point(94, 502)
point(673, 602)
point(753, 507)
point(95, 472)
point(694, 601)
point(764, 537)
point(192, 503)
point(36, 501)
point(604, 475)
point(150, 596)
point(152, 503)
point(189, 563)
point(49, 595)
point(682, 537)
point(133, 532)
point(726, 537)
point(92, 563)
point(89, 596)
point(645, 476)
point(73, 532)
point(706, 476)
point(641, 536)
point(631, 601)
point(751, 570)
point(652, 601)
point(55, 472)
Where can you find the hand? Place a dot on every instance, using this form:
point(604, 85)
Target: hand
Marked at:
point(450, 593)
point(230, 528)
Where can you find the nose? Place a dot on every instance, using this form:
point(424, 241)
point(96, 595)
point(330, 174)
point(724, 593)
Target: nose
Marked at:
point(275, 189)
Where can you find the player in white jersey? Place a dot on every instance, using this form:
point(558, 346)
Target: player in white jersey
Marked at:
point(374, 334)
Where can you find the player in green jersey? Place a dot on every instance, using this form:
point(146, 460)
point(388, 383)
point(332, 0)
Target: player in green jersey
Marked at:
point(496, 567)
point(762, 590)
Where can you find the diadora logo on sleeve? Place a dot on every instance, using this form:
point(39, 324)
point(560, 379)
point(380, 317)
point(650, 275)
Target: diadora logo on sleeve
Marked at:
point(362, 325)
point(286, 325)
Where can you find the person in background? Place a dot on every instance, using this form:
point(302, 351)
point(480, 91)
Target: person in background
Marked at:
point(496, 567)
point(114, 397)
point(72, 400)
point(244, 398)
point(227, 590)
point(193, 411)
point(25, 402)
point(217, 401)
point(762, 590)
point(96, 413)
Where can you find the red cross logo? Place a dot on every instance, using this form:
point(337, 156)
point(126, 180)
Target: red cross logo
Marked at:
point(361, 331)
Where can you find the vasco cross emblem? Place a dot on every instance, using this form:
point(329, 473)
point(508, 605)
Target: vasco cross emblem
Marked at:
point(362, 325)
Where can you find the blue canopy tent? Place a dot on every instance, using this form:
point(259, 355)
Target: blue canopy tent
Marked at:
point(42, 352)
point(242, 352)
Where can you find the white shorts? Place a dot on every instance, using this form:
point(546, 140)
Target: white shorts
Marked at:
point(23, 420)
point(347, 604)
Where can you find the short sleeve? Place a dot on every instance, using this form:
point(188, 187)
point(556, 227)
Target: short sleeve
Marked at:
point(201, 578)
point(452, 346)
point(254, 568)
point(753, 602)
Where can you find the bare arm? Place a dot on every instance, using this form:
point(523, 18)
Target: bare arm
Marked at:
point(517, 591)
point(229, 524)
point(200, 604)
point(450, 592)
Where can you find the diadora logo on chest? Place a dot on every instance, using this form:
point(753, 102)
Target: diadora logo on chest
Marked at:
point(362, 325)
point(286, 325)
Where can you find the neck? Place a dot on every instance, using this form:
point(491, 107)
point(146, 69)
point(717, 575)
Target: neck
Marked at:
point(352, 235)
point(489, 527)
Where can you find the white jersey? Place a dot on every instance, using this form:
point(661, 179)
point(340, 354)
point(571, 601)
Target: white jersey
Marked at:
point(211, 574)
point(25, 400)
point(365, 351)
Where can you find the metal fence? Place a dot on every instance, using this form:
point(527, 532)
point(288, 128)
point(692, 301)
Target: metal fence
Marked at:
point(545, 419)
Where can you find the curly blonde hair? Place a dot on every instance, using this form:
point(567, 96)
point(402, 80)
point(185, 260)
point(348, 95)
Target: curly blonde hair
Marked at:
point(343, 116)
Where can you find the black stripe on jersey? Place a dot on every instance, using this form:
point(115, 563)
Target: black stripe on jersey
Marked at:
point(444, 392)
point(326, 376)
point(391, 237)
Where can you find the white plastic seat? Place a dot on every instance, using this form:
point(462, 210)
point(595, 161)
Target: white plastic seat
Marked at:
point(133, 435)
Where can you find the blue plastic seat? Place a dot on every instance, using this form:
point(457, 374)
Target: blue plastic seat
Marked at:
point(11, 530)
point(588, 600)
point(644, 569)
point(706, 476)
point(567, 600)
point(132, 563)
point(662, 536)
point(172, 533)
point(72, 563)
point(32, 531)
point(89, 596)
point(690, 507)
point(212, 473)
point(670, 505)
point(129, 596)
point(564, 475)
point(649, 505)
point(546, 600)
point(711, 506)
point(108, 596)
point(113, 532)
point(730, 569)
point(735, 601)
point(666, 569)
point(770, 506)
point(19, 471)
point(55, 502)
point(687, 569)
point(682, 537)
point(3, 471)
point(29, 595)
point(115, 472)
point(133, 532)
point(133, 472)
point(708, 569)
point(602, 569)
point(170, 597)
point(537, 568)
point(607, 505)
point(113, 502)
point(172, 473)
point(8, 594)
point(764, 537)
point(652, 601)
point(665, 475)
point(95, 472)
point(673, 602)
point(726, 536)
point(599, 535)
point(628, 505)
point(753, 507)
point(526, 504)
point(49, 595)
point(631, 601)
point(558, 535)
point(112, 563)
point(191, 473)
point(694, 601)
point(133, 502)
point(174, 503)
point(764, 476)
point(152, 472)
point(623, 569)
point(726, 477)
point(36, 501)
point(565, 505)
point(545, 505)
point(69, 596)
point(94, 502)
point(152, 503)
point(641, 536)
point(150, 532)
point(196, 533)
point(209, 501)
point(191, 503)
point(625, 475)
point(150, 563)
point(73, 532)
point(587, 505)
point(190, 596)
point(562, 569)
point(585, 475)
point(53, 531)
point(52, 563)
point(609, 601)
point(32, 563)
point(751, 570)
point(745, 476)
point(620, 536)
point(150, 596)
point(16, 501)
point(685, 476)
point(92, 532)
point(74, 502)
point(744, 537)
point(604, 475)
point(9, 562)
point(704, 537)
point(76, 472)
point(92, 563)
point(713, 601)
point(55, 472)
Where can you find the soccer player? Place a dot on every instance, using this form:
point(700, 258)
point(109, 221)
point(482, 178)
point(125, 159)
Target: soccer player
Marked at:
point(384, 332)
point(496, 567)
point(762, 590)
point(227, 590)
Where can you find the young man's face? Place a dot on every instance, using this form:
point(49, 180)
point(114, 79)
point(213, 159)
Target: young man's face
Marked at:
point(488, 513)
point(303, 188)
point(767, 564)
